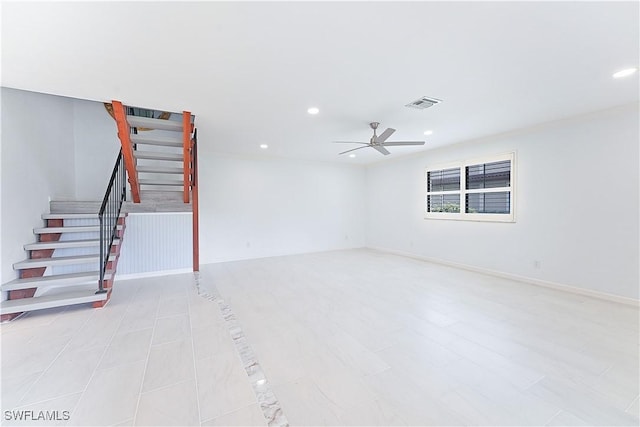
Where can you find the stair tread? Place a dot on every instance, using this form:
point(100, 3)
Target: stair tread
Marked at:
point(50, 301)
point(53, 280)
point(158, 169)
point(75, 206)
point(156, 155)
point(157, 140)
point(59, 244)
point(72, 215)
point(69, 229)
point(62, 260)
point(160, 182)
point(147, 122)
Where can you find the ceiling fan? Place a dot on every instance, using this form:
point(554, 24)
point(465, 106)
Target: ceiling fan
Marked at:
point(379, 142)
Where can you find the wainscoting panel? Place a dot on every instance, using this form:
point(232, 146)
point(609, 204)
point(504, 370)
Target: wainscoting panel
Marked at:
point(155, 242)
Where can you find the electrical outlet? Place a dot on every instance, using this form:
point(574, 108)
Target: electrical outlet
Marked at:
point(536, 264)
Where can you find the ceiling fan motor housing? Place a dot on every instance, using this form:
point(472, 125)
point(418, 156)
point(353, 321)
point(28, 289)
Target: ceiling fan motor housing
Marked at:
point(374, 126)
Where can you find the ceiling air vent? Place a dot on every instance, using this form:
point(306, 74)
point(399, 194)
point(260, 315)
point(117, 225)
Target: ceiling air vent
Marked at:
point(423, 103)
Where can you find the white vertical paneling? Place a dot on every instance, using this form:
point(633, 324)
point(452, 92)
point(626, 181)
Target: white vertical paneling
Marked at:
point(156, 242)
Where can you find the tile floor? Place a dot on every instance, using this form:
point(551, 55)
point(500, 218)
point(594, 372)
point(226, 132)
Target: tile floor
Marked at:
point(344, 338)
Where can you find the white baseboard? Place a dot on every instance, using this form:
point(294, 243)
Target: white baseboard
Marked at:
point(530, 280)
point(151, 274)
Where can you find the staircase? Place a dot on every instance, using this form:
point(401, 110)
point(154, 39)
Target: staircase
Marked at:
point(63, 264)
point(158, 159)
point(75, 255)
point(161, 158)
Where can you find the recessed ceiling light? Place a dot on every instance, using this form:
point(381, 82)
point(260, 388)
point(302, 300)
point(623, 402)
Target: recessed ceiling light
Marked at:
point(428, 132)
point(313, 110)
point(352, 155)
point(264, 146)
point(624, 73)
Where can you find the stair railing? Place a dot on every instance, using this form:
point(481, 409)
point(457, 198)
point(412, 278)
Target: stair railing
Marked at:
point(194, 204)
point(109, 215)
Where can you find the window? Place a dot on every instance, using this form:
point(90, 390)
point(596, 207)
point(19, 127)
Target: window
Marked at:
point(480, 189)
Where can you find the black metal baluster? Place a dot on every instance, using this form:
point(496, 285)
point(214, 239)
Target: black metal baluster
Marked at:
point(109, 214)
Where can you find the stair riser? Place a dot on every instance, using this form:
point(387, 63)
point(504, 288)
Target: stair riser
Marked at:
point(28, 273)
point(41, 253)
point(22, 293)
point(55, 222)
point(51, 237)
point(8, 317)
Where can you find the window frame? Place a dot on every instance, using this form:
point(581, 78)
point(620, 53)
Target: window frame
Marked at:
point(463, 191)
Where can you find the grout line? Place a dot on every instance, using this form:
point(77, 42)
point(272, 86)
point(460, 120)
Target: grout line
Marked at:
point(106, 348)
point(233, 411)
point(554, 416)
point(269, 404)
point(49, 399)
point(146, 362)
point(193, 350)
point(52, 362)
point(164, 387)
point(631, 404)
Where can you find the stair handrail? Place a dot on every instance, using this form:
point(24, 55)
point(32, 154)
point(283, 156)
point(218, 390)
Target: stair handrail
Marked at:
point(194, 204)
point(109, 215)
point(124, 132)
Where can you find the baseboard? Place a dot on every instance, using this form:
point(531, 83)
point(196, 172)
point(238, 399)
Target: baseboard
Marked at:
point(530, 280)
point(151, 274)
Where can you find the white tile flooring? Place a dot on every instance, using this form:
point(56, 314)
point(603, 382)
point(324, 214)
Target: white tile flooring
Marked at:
point(344, 338)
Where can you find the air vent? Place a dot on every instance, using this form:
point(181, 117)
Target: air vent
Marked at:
point(423, 103)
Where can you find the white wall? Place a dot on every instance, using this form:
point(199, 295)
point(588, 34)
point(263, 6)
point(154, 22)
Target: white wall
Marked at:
point(577, 205)
point(96, 147)
point(258, 207)
point(580, 223)
point(37, 164)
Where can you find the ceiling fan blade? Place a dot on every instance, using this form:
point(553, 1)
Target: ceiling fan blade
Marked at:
point(384, 135)
point(381, 149)
point(403, 143)
point(349, 142)
point(354, 149)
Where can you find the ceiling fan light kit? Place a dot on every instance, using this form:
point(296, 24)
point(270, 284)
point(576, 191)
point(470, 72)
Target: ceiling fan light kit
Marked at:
point(379, 143)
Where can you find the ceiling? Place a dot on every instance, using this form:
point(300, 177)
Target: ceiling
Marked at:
point(249, 71)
